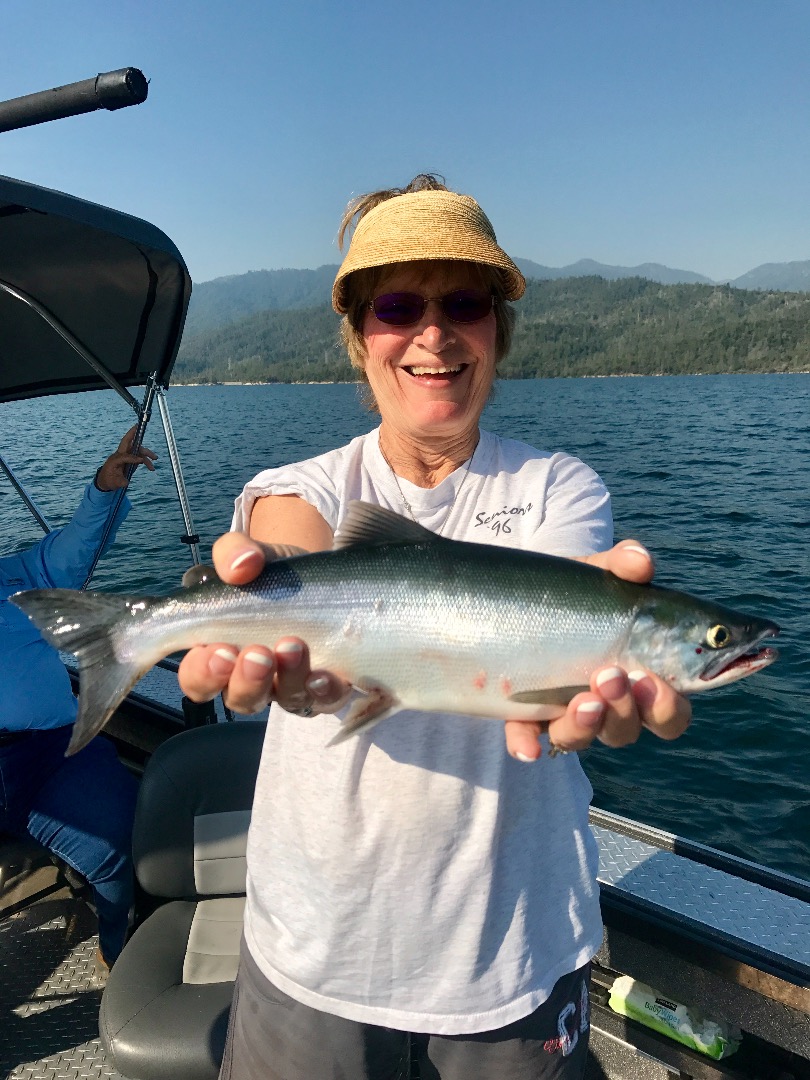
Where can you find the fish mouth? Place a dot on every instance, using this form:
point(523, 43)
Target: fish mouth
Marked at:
point(742, 661)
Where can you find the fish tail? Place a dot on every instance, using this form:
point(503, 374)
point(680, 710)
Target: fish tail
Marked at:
point(83, 623)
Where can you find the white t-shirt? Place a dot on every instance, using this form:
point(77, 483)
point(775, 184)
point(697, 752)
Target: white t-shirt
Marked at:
point(417, 876)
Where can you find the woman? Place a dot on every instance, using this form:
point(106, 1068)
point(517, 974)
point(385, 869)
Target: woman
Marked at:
point(417, 878)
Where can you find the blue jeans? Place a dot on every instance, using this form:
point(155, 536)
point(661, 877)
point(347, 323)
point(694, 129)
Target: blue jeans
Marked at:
point(81, 808)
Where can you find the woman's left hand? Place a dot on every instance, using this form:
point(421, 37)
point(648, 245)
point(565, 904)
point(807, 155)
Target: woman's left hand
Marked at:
point(619, 703)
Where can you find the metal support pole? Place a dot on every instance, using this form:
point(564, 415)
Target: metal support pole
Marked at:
point(144, 413)
point(74, 343)
point(191, 538)
point(26, 498)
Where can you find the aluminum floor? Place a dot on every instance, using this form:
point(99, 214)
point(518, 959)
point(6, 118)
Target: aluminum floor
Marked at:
point(49, 997)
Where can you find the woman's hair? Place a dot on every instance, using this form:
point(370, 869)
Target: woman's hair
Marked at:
point(358, 287)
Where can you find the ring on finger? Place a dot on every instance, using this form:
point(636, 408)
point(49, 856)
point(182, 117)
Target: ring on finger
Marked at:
point(304, 710)
point(557, 751)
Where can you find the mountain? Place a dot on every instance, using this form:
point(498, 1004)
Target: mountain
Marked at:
point(588, 268)
point(227, 300)
point(780, 277)
point(569, 326)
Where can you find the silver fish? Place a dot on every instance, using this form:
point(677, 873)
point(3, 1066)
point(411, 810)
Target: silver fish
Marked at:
point(414, 621)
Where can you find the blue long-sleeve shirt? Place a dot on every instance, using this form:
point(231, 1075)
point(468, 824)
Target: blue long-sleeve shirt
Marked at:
point(35, 689)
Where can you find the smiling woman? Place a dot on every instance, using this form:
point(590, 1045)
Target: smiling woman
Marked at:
point(416, 884)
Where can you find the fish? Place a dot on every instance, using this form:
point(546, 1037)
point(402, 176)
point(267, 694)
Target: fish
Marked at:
point(414, 621)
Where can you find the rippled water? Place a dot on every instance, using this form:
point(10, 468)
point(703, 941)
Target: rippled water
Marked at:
point(710, 472)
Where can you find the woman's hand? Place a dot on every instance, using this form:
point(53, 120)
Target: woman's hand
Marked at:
point(257, 675)
point(619, 703)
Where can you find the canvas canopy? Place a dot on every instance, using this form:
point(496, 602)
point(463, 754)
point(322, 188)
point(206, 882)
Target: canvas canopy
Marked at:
point(71, 269)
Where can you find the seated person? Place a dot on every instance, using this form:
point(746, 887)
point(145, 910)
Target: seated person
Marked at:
point(81, 808)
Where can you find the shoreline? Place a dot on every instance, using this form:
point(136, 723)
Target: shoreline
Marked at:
point(535, 378)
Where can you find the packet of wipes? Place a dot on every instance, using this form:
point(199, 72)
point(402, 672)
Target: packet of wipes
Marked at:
point(686, 1025)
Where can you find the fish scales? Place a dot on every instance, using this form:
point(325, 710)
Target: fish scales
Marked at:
point(425, 618)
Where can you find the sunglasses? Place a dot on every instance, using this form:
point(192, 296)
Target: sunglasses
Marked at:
point(407, 308)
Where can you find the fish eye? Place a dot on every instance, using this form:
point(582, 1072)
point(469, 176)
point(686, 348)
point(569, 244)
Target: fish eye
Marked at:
point(717, 637)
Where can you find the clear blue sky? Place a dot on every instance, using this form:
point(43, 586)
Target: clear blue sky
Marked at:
point(628, 131)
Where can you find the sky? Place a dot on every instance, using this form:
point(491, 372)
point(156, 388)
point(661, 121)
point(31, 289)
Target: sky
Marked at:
point(626, 131)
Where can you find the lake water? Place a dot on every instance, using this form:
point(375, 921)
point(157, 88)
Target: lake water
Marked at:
point(710, 472)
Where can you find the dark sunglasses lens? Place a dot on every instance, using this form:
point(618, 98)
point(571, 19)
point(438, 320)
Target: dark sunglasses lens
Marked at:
point(467, 305)
point(398, 308)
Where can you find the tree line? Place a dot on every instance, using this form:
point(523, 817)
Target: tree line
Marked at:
point(565, 327)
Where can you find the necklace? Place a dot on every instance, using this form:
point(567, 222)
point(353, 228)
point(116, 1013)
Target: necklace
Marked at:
point(407, 505)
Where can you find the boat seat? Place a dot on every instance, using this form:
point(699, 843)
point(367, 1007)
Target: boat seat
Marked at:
point(164, 1011)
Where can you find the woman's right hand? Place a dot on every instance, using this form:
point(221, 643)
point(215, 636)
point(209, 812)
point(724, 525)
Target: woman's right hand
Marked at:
point(251, 678)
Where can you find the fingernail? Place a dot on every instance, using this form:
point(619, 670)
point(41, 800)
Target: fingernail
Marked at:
point(637, 549)
point(644, 689)
point(291, 651)
point(611, 683)
point(524, 757)
point(245, 557)
point(589, 714)
point(255, 665)
point(318, 684)
point(222, 661)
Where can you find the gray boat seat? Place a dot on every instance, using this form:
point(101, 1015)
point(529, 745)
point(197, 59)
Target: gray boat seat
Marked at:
point(164, 1012)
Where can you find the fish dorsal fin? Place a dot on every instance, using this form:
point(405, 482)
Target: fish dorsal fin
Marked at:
point(368, 524)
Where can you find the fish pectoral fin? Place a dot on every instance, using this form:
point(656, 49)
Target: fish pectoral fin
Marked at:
point(553, 695)
point(366, 712)
point(368, 524)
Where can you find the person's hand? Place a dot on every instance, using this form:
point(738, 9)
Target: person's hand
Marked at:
point(249, 679)
point(619, 704)
point(113, 473)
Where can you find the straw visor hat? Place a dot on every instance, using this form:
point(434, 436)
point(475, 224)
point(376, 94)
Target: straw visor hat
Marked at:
point(423, 225)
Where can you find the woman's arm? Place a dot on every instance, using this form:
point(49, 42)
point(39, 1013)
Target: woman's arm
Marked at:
point(288, 519)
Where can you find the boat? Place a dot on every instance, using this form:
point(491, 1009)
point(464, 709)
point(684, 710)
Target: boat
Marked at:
point(92, 299)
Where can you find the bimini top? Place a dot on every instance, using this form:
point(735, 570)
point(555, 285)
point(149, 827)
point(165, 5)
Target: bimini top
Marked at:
point(71, 269)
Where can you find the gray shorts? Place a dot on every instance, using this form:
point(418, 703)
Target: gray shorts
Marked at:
point(273, 1037)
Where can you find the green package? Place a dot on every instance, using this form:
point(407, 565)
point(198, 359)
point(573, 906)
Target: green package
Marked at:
point(686, 1024)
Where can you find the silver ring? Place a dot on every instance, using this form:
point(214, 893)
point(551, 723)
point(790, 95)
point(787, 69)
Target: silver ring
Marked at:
point(306, 711)
point(557, 751)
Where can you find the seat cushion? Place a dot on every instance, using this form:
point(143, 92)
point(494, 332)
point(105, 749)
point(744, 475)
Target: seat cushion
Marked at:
point(153, 1023)
point(212, 953)
point(193, 811)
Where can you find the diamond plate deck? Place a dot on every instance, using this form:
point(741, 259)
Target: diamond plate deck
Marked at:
point(750, 912)
point(49, 999)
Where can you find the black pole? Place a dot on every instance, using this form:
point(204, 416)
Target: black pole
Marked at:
point(109, 90)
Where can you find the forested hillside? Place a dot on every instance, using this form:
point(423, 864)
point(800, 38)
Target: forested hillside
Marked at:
point(226, 300)
point(574, 326)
